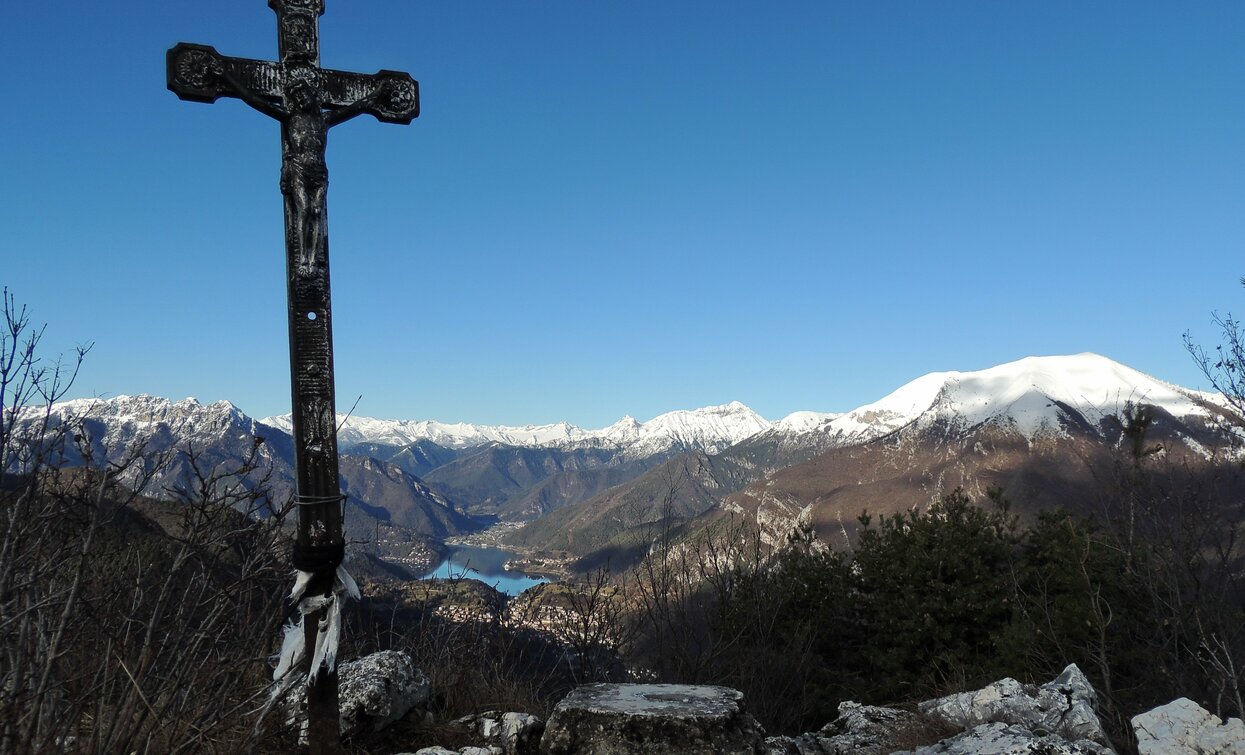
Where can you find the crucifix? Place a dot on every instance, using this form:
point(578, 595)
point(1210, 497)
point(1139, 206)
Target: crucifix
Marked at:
point(307, 100)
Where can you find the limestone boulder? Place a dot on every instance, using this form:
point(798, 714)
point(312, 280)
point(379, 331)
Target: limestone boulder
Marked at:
point(859, 730)
point(463, 751)
point(782, 745)
point(1183, 727)
point(866, 729)
point(379, 689)
point(1064, 707)
point(652, 719)
point(515, 733)
point(1009, 739)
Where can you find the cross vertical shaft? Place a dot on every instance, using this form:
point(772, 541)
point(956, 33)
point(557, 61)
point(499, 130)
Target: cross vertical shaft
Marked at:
point(304, 184)
point(308, 101)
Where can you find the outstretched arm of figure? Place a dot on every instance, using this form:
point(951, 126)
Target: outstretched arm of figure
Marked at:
point(356, 108)
point(244, 93)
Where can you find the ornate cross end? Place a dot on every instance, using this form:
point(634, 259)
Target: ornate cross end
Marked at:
point(190, 72)
point(390, 96)
point(399, 102)
point(200, 74)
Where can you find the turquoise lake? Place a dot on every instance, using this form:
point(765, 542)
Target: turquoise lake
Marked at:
point(486, 565)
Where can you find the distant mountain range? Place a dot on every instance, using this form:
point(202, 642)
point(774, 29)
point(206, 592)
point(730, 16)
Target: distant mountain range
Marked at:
point(709, 429)
point(519, 473)
point(1034, 426)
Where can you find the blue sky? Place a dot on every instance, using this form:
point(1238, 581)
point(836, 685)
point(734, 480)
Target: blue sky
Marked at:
point(625, 206)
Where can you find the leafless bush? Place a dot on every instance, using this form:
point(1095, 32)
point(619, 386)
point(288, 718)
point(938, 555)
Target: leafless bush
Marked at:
point(127, 623)
point(1224, 366)
point(680, 594)
point(589, 619)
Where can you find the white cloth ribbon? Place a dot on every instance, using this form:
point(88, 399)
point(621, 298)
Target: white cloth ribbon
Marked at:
point(293, 644)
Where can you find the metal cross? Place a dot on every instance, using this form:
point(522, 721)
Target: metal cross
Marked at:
point(308, 101)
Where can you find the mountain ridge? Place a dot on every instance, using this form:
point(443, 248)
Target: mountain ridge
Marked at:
point(709, 428)
point(1076, 380)
point(910, 444)
point(717, 427)
point(1030, 425)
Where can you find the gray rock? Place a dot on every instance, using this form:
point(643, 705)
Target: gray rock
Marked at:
point(652, 719)
point(515, 733)
point(865, 729)
point(1064, 707)
point(379, 689)
point(465, 751)
point(783, 745)
point(803, 744)
point(1182, 726)
point(859, 730)
point(1009, 739)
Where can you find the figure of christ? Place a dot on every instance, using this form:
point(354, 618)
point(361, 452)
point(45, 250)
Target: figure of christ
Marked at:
point(304, 173)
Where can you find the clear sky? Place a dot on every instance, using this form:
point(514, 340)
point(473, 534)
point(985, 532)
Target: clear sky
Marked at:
point(633, 206)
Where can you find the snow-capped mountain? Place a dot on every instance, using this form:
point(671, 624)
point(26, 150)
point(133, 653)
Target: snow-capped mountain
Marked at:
point(798, 423)
point(1047, 430)
point(108, 430)
point(1033, 396)
point(218, 436)
point(358, 430)
point(122, 420)
point(1031, 426)
point(709, 429)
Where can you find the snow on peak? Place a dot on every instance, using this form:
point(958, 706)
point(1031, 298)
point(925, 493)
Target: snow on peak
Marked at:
point(120, 421)
point(1026, 395)
point(624, 430)
point(356, 430)
point(710, 428)
point(1030, 395)
point(145, 408)
point(797, 423)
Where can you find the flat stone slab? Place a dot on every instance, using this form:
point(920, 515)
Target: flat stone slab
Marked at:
point(652, 719)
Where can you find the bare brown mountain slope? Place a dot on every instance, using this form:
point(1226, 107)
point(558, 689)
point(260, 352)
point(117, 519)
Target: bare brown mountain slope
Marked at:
point(1081, 469)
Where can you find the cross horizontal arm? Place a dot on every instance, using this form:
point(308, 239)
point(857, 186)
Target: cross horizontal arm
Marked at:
point(200, 74)
point(393, 96)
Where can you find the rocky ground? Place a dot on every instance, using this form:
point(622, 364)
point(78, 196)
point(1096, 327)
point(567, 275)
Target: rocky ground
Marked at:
point(1056, 718)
